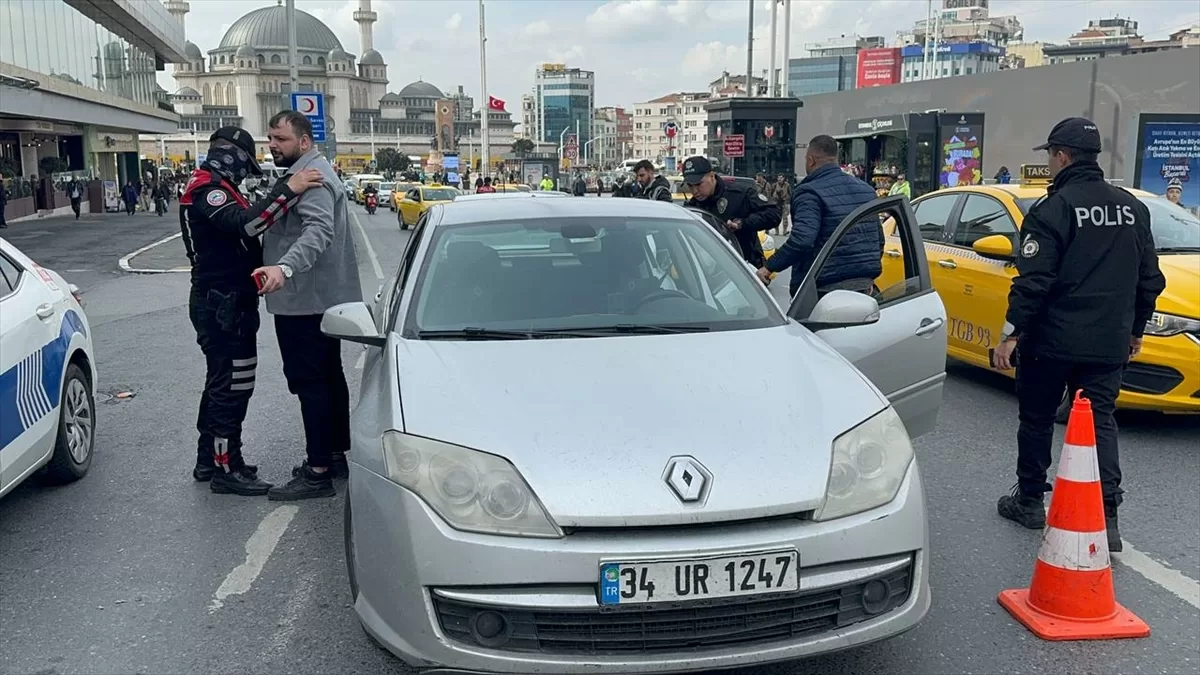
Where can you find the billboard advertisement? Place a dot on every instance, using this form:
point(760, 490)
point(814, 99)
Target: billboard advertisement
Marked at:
point(1169, 150)
point(961, 150)
point(878, 67)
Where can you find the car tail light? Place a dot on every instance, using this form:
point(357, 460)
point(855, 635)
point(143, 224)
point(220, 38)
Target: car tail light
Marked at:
point(76, 293)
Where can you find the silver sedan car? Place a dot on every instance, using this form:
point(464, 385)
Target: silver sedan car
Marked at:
point(569, 458)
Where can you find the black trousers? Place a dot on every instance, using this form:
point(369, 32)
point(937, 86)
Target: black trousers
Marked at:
point(75, 203)
point(1040, 385)
point(226, 326)
point(312, 364)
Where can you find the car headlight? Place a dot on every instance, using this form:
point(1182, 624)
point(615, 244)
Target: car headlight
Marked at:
point(1166, 325)
point(471, 490)
point(869, 463)
point(768, 243)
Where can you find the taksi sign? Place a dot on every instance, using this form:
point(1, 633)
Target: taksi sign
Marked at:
point(734, 145)
point(312, 106)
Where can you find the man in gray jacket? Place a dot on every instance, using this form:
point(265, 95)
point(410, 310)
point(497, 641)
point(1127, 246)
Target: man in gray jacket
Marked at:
point(311, 266)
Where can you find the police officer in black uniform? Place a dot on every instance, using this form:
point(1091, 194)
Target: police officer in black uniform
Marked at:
point(744, 209)
point(220, 234)
point(1087, 282)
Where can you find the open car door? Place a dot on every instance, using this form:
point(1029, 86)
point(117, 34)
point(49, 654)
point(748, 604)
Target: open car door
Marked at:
point(902, 347)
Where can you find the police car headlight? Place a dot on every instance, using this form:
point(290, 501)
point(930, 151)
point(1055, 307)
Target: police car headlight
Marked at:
point(768, 243)
point(869, 464)
point(1166, 325)
point(471, 490)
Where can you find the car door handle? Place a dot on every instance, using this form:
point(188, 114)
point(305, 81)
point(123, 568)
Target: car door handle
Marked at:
point(45, 310)
point(948, 264)
point(929, 326)
point(892, 253)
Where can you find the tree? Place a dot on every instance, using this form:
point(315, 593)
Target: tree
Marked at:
point(522, 147)
point(388, 159)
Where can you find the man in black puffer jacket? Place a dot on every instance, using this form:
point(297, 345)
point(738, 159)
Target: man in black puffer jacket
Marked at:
point(819, 204)
point(653, 185)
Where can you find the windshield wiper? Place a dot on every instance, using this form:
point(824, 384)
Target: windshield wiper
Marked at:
point(477, 333)
point(639, 329)
point(1179, 249)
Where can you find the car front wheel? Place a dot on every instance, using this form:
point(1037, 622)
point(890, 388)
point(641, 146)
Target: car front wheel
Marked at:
point(76, 430)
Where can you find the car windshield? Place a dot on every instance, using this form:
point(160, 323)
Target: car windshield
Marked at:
point(387, 186)
point(600, 275)
point(1175, 228)
point(439, 194)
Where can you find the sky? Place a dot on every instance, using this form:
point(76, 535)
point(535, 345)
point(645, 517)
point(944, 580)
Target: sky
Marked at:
point(639, 49)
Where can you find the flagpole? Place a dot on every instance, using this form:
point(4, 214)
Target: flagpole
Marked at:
point(486, 108)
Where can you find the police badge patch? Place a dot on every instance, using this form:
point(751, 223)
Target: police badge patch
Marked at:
point(721, 204)
point(763, 197)
point(1030, 248)
point(216, 198)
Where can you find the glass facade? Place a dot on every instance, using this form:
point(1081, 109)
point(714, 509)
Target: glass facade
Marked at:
point(54, 39)
point(771, 155)
point(820, 75)
point(563, 111)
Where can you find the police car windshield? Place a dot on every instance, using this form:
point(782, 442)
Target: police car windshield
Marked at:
point(1175, 228)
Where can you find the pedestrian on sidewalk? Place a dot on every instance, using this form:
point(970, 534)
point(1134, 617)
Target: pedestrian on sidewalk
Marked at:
point(1087, 282)
point(311, 266)
point(75, 192)
point(146, 192)
point(781, 193)
point(220, 235)
point(130, 196)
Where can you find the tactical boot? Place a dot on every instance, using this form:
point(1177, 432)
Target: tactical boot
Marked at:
point(1025, 510)
point(1112, 529)
point(308, 485)
point(338, 468)
point(240, 481)
point(204, 470)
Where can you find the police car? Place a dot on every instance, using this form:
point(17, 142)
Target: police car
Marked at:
point(47, 375)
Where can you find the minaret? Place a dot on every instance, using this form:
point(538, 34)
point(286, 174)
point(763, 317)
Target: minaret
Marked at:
point(178, 9)
point(365, 17)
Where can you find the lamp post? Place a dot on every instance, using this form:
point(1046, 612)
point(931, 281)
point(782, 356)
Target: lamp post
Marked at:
point(486, 107)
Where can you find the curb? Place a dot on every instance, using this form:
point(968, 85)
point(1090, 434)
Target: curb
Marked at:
point(123, 263)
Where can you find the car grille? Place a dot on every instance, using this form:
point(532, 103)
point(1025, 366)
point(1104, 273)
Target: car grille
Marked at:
point(1144, 378)
point(655, 630)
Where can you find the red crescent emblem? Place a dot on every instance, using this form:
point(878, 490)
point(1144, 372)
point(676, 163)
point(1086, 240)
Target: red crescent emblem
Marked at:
point(309, 106)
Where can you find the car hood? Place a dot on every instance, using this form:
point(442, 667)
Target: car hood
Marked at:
point(591, 423)
point(1183, 280)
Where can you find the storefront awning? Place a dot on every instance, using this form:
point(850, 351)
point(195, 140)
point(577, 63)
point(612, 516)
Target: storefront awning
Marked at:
point(868, 134)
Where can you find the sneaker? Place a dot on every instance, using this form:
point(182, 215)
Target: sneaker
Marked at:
point(308, 485)
point(241, 481)
point(203, 472)
point(1112, 528)
point(1024, 510)
point(338, 468)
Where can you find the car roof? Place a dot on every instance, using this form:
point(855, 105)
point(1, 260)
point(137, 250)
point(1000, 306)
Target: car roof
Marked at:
point(531, 205)
point(1021, 190)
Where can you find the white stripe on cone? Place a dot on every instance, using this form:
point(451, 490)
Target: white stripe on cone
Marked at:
point(1078, 551)
point(1078, 463)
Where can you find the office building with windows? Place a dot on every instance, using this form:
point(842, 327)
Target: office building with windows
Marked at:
point(77, 86)
point(831, 65)
point(563, 99)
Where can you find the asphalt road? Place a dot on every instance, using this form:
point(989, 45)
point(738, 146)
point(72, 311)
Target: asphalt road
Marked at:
point(138, 569)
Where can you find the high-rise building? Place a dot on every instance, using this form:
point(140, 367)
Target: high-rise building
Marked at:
point(650, 119)
point(1102, 38)
point(953, 59)
point(564, 100)
point(77, 88)
point(831, 65)
point(965, 21)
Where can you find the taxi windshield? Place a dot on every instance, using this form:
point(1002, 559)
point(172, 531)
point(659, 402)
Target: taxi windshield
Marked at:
point(387, 186)
point(439, 194)
point(599, 276)
point(1175, 228)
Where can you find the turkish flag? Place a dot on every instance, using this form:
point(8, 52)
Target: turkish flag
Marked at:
point(495, 104)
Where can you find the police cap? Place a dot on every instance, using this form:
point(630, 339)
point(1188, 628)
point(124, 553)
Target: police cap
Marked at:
point(240, 138)
point(695, 168)
point(1076, 133)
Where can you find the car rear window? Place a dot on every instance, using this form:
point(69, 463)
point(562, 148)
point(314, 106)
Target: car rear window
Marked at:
point(440, 194)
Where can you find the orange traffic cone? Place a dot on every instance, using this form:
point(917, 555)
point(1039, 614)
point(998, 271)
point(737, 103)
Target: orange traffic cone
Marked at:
point(1071, 595)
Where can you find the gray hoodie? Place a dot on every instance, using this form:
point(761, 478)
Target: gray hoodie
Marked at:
point(314, 240)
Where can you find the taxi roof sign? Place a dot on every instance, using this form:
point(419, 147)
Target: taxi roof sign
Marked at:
point(1035, 173)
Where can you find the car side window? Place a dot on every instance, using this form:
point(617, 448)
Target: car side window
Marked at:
point(983, 216)
point(406, 263)
point(10, 276)
point(933, 213)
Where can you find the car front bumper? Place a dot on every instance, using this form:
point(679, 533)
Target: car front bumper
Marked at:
point(1164, 377)
point(420, 582)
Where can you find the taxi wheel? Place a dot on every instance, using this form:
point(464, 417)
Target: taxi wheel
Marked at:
point(76, 430)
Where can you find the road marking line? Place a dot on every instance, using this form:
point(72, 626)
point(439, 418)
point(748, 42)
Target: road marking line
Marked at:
point(300, 599)
point(123, 263)
point(370, 249)
point(259, 548)
point(1174, 581)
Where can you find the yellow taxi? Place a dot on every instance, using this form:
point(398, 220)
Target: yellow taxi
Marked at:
point(360, 182)
point(398, 191)
point(420, 198)
point(970, 235)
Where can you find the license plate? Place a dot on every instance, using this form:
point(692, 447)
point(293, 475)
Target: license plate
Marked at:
point(699, 578)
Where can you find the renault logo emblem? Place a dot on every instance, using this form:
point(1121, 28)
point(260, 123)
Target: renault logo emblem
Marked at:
point(688, 479)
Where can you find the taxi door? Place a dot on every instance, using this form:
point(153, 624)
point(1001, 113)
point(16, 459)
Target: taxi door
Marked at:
point(408, 208)
point(933, 216)
point(976, 291)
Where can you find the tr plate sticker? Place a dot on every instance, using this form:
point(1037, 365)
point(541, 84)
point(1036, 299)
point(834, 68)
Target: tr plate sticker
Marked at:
point(216, 198)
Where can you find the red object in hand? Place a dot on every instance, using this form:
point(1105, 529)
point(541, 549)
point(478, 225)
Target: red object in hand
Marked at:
point(260, 279)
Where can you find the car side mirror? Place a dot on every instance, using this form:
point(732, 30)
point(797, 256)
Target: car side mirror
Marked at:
point(996, 246)
point(842, 309)
point(352, 322)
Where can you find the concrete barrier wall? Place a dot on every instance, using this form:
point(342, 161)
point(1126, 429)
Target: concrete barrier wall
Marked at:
point(1022, 105)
